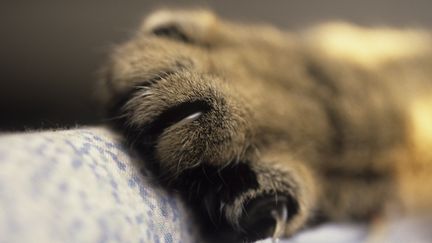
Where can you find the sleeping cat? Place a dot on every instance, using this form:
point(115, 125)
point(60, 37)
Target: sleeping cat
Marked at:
point(268, 132)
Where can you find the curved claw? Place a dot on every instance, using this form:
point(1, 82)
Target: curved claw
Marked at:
point(280, 215)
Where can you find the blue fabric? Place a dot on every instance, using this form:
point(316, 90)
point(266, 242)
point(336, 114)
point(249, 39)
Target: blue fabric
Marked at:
point(82, 185)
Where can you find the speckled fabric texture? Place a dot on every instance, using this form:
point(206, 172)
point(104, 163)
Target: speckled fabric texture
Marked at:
point(82, 185)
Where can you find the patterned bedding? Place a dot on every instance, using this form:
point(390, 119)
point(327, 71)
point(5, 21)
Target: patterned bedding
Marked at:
point(83, 185)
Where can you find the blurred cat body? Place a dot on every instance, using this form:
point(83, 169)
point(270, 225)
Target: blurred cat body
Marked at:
point(336, 119)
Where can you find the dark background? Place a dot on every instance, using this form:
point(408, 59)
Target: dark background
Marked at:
point(50, 50)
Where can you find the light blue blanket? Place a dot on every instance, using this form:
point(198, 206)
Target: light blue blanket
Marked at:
point(82, 185)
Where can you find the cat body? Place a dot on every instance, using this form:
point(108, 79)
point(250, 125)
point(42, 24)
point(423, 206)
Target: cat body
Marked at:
point(258, 126)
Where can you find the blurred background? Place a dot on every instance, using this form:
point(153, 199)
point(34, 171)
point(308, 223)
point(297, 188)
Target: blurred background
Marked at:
point(50, 50)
